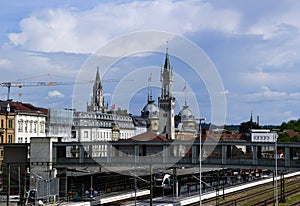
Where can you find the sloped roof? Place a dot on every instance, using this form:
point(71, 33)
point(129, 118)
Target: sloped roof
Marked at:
point(23, 107)
point(147, 136)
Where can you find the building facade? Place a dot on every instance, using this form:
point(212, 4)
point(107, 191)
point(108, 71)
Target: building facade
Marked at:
point(19, 123)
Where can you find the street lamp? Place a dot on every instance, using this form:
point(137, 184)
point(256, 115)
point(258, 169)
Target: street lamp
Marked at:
point(200, 158)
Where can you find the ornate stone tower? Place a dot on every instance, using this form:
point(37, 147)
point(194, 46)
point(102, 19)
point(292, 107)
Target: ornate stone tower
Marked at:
point(97, 100)
point(166, 102)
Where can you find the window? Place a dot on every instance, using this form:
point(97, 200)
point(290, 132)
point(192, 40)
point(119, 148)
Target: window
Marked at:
point(10, 138)
point(20, 139)
point(85, 134)
point(10, 123)
point(25, 139)
point(35, 127)
point(42, 127)
point(30, 127)
point(2, 123)
point(20, 125)
point(26, 126)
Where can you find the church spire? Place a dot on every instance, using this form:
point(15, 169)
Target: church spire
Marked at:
point(97, 80)
point(166, 78)
point(97, 100)
point(167, 61)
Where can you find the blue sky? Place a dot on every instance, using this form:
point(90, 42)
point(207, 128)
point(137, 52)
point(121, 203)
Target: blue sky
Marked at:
point(254, 45)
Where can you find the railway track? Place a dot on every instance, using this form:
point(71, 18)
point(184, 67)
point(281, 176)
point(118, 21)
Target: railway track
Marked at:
point(263, 195)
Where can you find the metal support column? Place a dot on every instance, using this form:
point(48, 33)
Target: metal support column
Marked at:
point(254, 158)
point(165, 154)
point(81, 154)
point(224, 152)
point(151, 186)
point(282, 188)
point(287, 159)
point(175, 184)
point(136, 153)
point(7, 183)
point(194, 155)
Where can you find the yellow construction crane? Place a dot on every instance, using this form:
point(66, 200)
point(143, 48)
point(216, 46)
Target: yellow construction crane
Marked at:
point(21, 84)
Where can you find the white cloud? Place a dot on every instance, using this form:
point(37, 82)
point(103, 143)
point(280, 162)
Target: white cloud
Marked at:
point(259, 46)
point(4, 63)
point(279, 31)
point(295, 95)
point(283, 80)
point(76, 31)
point(265, 95)
point(55, 93)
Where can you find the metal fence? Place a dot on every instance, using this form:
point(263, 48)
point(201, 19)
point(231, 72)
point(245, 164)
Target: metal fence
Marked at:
point(47, 188)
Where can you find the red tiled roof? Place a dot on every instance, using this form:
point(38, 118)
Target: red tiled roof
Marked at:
point(291, 133)
point(24, 107)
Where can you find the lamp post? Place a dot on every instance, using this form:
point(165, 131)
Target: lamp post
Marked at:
point(200, 159)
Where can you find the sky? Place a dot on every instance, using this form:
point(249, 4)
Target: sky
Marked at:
point(253, 46)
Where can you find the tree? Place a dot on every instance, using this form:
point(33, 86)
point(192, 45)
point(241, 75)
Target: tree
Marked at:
point(291, 125)
point(245, 127)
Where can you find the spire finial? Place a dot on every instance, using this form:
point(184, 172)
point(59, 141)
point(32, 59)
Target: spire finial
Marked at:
point(97, 75)
point(149, 90)
point(184, 89)
point(167, 47)
point(167, 61)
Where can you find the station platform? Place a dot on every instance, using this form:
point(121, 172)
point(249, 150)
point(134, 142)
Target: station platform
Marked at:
point(170, 201)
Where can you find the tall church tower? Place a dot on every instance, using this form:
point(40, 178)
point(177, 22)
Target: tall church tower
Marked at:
point(166, 102)
point(97, 100)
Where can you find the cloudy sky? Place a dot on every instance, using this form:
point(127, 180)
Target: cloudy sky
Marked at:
point(254, 46)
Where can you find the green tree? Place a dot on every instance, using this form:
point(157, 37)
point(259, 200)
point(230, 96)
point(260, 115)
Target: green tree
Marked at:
point(291, 125)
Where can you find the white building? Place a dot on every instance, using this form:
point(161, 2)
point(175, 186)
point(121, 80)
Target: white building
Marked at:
point(265, 135)
point(94, 126)
point(29, 121)
point(29, 125)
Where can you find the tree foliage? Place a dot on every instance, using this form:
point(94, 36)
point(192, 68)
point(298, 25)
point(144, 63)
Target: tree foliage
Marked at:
point(291, 125)
point(245, 127)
